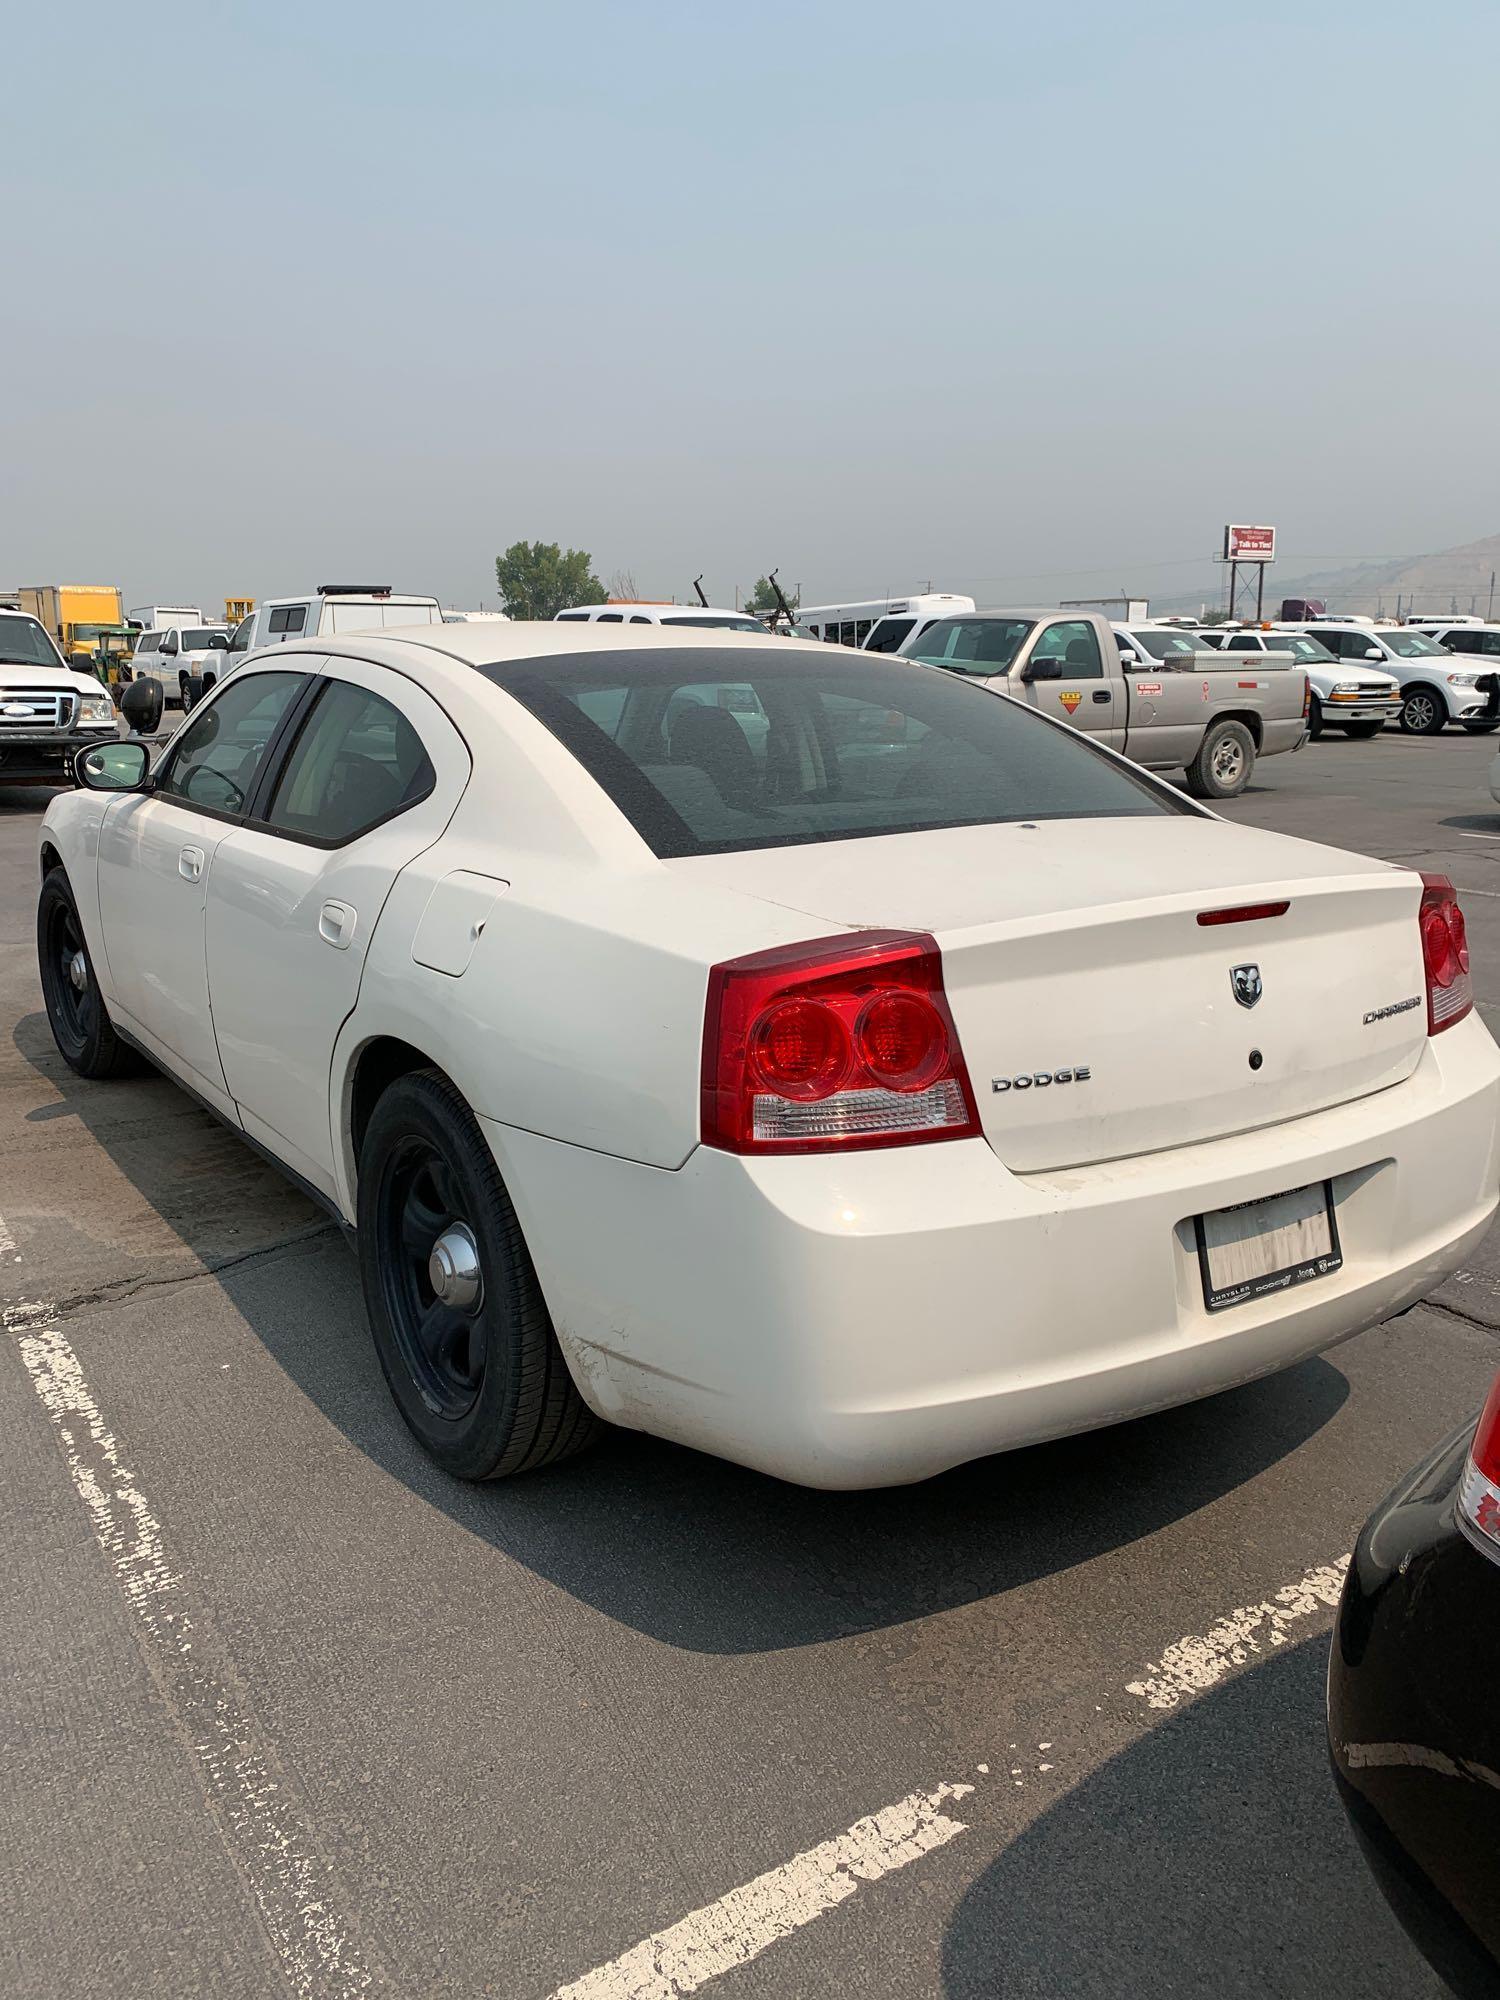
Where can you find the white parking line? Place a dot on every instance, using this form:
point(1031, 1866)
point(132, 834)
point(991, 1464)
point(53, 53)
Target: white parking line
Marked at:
point(741, 1925)
point(1196, 1662)
point(250, 1800)
point(746, 1922)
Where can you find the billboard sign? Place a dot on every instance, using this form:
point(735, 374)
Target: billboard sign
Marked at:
point(1250, 545)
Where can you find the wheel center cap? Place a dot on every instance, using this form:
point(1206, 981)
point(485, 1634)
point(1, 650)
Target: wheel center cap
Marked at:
point(453, 1268)
point(78, 972)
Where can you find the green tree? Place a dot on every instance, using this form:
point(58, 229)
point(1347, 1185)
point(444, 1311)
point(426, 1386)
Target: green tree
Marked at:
point(763, 598)
point(537, 580)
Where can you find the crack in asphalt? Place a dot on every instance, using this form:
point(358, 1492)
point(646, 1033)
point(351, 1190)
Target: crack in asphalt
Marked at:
point(119, 1289)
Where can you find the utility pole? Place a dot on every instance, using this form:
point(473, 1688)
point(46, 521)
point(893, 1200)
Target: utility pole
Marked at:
point(1491, 612)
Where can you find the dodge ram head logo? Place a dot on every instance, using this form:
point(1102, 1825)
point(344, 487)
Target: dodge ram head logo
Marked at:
point(1245, 979)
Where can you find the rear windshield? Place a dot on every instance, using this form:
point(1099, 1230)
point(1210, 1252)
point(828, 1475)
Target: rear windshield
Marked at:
point(717, 622)
point(1166, 645)
point(710, 752)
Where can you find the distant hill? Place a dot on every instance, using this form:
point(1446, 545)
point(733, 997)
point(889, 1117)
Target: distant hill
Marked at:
point(1451, 580)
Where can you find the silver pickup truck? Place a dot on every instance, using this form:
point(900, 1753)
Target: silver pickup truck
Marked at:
point(1184, 708)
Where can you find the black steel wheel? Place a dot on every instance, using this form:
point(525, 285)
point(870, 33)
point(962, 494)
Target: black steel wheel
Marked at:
point(76, 1012)
point(459, 1322)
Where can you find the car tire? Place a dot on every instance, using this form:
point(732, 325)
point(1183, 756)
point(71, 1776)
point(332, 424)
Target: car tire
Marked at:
point(1423, 712)
point(1361, 730)
point(1225, 759)
point(76, 1013)
point(476, 1370)
point(1314, 719)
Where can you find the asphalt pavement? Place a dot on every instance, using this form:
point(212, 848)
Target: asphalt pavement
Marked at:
point(286, 1711)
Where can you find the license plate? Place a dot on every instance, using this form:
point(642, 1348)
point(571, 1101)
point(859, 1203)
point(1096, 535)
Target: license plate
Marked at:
point(1260, 1247)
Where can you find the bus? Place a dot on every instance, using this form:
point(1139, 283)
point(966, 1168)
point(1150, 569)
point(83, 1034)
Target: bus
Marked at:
point(880, 625)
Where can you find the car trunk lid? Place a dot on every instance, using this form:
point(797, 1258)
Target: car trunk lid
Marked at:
point(1098, 1016)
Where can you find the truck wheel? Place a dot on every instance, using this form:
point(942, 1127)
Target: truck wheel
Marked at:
point(1225, 759)
point(1314, 719)
point(459, 1321)
point(76, 1013)
point(1423, 713)
point(1361, 730)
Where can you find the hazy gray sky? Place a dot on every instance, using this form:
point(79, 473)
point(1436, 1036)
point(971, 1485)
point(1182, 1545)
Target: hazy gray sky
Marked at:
point(1027, 301)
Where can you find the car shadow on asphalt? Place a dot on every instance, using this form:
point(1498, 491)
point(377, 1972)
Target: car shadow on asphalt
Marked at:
point(1212, 1856)
point(683, 1547)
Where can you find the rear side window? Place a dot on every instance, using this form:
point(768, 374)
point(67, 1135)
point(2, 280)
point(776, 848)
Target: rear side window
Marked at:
point(356, 761)
point(288, 618)
point(709, 753)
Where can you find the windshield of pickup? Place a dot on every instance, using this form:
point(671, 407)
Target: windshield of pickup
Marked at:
point(1165, 645)
point(25, 643)
point(197, 639)
point(1409, 645)
point(713, 751)
point(970, 645)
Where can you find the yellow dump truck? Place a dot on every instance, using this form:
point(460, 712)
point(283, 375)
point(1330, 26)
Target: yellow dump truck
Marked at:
point(87, 621)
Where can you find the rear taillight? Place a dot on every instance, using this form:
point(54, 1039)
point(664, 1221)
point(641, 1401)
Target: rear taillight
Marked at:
point(1445, 954)
point(1479, 1495)
point(840, 1044)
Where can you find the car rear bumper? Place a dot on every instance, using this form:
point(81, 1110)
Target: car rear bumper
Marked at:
point(1413, 1729)
point(879, 1317)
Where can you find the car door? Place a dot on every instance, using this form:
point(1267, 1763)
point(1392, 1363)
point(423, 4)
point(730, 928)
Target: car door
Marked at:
point(1080, 691)
point(156, 853)
point(369, 777)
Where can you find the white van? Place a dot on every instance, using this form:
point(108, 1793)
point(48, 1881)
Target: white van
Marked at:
point(881, 624)
point(705, 616)
point(332, 607)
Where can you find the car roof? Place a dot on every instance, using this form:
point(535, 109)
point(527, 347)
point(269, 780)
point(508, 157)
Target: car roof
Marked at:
point(534, 639)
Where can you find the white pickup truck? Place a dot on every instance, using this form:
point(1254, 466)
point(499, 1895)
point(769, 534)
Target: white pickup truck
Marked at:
point(1149, 691)
point(48, 709)
point(1359, 700)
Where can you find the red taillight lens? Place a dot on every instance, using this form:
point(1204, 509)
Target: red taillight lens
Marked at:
point(799, 1049)
point(1479, 1495)
point(843, 1043)
point(1445, 954)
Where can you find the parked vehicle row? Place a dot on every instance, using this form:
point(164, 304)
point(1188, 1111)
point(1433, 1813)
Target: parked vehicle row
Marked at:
point(1153, 693)
point(50, 706)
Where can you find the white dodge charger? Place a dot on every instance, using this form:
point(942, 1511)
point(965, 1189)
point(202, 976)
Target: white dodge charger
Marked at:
point(797, 1052)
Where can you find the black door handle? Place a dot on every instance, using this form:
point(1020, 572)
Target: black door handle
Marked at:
point(1103, 694)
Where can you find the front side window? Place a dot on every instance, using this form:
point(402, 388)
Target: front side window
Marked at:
point(244, 632)
point(356, 761)
point(1073, 644)
point(972, 645)
point(216, 758)
point(709, 753)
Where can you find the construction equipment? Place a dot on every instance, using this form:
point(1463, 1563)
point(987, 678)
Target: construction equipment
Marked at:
point(236, 608)
point(88, 623)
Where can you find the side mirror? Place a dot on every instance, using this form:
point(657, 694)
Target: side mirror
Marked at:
point(1042, 670)
point(120, 766)
point(141, 706)
point(1373, 653)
